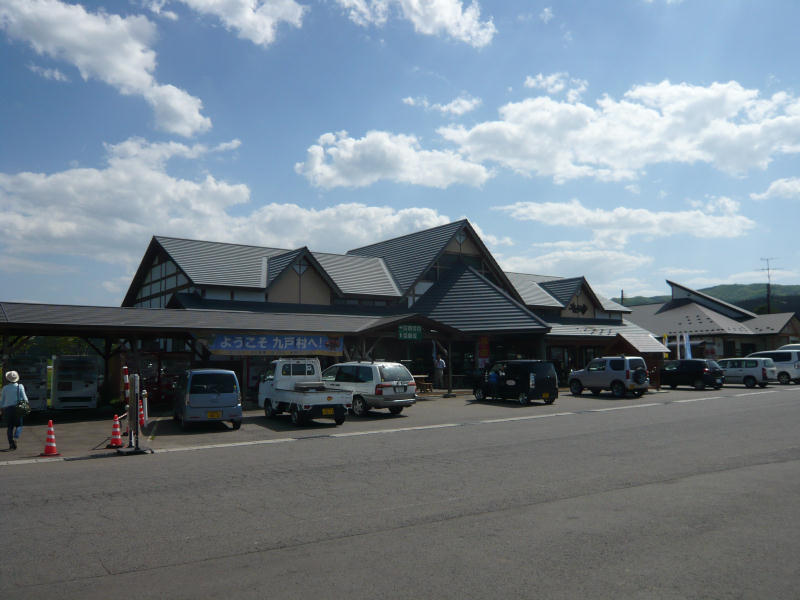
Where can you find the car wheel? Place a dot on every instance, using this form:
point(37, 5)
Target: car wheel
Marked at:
point(339, 420)
point(699, 385)
point(763, 384)
point(478, 393)
point(396, 410)
point(749, 382)
point(595, 391)
point(269, 411)
point(523, 399)
point(550, 400)
point(360, 407)
point(298, 418)
point(784, 379)
point(236, 424)
point(618, 389)
point(575, 387)
point(638, 393)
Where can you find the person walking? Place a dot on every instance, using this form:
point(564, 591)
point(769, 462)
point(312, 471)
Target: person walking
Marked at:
point(438, 372)
point(12, 393)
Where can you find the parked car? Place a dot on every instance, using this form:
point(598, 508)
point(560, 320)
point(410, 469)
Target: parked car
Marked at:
point(620, 374)
point(786, 361)
point(790, 347)
point(696, 372)
point(749, 371)
point(208, 395)
point(520, 380)
point(376, 384)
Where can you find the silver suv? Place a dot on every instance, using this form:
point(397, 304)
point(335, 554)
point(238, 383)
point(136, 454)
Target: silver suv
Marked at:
point(374, 385)
point(620, 374)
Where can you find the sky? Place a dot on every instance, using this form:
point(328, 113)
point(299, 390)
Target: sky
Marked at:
point(627, 141)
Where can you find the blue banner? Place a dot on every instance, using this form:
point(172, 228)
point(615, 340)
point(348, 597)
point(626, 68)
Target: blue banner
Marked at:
point(277, 344)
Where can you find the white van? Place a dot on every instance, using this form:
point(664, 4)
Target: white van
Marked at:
point(786, 361)
point(749, 371)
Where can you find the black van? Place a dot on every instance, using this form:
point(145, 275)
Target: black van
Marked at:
point(696, 372)
point(520, 380)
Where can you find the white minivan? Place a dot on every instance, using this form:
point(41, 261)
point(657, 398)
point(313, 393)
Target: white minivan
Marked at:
point(749, 371)
point(786, 361)
point(376, 384)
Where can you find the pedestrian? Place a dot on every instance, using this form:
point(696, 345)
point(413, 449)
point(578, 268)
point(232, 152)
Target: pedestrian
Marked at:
point(438, 372)
point(12, 393)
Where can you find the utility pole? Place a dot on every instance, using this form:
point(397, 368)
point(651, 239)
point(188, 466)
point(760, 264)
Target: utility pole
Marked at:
point(769, 283)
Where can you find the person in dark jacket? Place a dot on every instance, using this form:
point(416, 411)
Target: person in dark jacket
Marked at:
point(13, 392)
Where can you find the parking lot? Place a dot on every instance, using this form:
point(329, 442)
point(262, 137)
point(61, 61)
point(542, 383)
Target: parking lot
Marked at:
point(86, 434)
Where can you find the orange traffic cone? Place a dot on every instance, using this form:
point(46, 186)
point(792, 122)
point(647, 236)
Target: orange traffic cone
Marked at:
point(50, 445)
point(116, 438)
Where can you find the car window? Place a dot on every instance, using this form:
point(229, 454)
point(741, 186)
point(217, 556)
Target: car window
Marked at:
point(671, 365)
point(617, 364)
point(724, 363)
point(364, 374)
point(596, 365)
point(750, 364)
point(543, 369)
point(347, 374)
point(329, 374)
point(712, 364)
point(734, 364)
point(394, 373)
point(212, 383)
point(637, 363)
point(768, 362)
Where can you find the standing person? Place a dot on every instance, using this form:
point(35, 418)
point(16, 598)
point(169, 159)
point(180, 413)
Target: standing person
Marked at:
point(438, 372)
point(12, 393)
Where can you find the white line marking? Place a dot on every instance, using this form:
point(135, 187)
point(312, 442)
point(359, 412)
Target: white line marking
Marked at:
point(755, 393)
point(226, 445)
point(509, 419)
point(421, 427)
point(624, 407)
point(28, 461)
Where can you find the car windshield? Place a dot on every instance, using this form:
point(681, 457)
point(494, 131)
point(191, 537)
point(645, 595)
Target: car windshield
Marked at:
point(394, 373)
point(212, 383)
point(713, 364)
point(543, 369)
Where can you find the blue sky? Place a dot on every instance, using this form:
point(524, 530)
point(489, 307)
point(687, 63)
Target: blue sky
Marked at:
point(630, 141)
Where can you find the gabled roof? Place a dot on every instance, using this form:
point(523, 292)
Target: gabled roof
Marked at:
point(768, 324)
point(409, 257)
point(547, 291)
point(279, 263)
point(691, 317)
point(711, 302)
point(466, 300)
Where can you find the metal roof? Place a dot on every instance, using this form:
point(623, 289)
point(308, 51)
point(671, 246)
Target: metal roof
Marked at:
point(563, 290)
point(689, 317)
point(640, 338)
point(531, 292)
point(714, 301)
point(279, 263)
point(408, 257)
point(554, 292)
point(217, 263)
point(466, 300)
point(359, 275)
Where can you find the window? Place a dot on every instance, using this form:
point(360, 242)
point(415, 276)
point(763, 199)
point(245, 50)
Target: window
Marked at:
point(671, 365)
point(597, 364)
point(364, 374)
point(750, 364)
point(212, 383)
point(617, 364)
point(394, 373)
point(329, 374)
point(637, 363)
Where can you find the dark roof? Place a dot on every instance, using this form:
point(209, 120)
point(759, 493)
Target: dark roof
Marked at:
point(711, 302)
point(563, 290)
point(278, 264)
point(410, 256)
point(466, 300)
point(359, 275)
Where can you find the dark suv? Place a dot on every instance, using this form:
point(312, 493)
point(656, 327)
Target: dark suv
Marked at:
point(696, 372)
point(520, 380)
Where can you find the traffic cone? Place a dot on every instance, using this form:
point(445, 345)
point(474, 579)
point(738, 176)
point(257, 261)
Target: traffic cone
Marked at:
point(50, 444)
point(116, 438)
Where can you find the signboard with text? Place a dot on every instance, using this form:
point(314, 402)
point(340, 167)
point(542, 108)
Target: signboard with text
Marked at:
point(277, 344)
point(409, 332)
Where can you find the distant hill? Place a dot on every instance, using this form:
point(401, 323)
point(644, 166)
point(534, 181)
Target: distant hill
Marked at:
point(752, 297)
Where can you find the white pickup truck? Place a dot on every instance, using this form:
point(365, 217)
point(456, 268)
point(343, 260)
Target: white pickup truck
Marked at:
point(294, 385)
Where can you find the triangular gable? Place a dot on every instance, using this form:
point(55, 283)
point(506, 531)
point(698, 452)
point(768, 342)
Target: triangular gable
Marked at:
point(466, 300)
point(279, 264)
point(729, 310)
point(411, 256)
point(563, 290)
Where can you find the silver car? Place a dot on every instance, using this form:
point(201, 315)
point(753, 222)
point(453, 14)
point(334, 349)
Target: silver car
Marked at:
point(749, 371)
point(208, 395)
point(620, 374)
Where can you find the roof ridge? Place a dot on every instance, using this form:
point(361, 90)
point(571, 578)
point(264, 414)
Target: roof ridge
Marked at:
point(182, 239)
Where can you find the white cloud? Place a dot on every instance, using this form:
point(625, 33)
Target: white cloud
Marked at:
point(546, 15)
point(723, 124)
point(601, 265)
point(253, 20)
point(781, 188)
point(457, 107)
point(53, 74)
point(338, 160)
point(157, 7)
point(717, 218)
point(110, 213)
point(429, 17)
point(558, 82)
point(113, 49)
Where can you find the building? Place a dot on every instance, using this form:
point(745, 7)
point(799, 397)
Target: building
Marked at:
point(716, 328)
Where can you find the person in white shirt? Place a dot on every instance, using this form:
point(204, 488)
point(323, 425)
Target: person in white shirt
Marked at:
point(13, 392)
point(438, 372)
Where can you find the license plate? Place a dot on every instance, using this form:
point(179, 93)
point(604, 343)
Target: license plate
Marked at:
point(545, 395)
point(214, 414)
point(399, 388)
point(327, 411)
